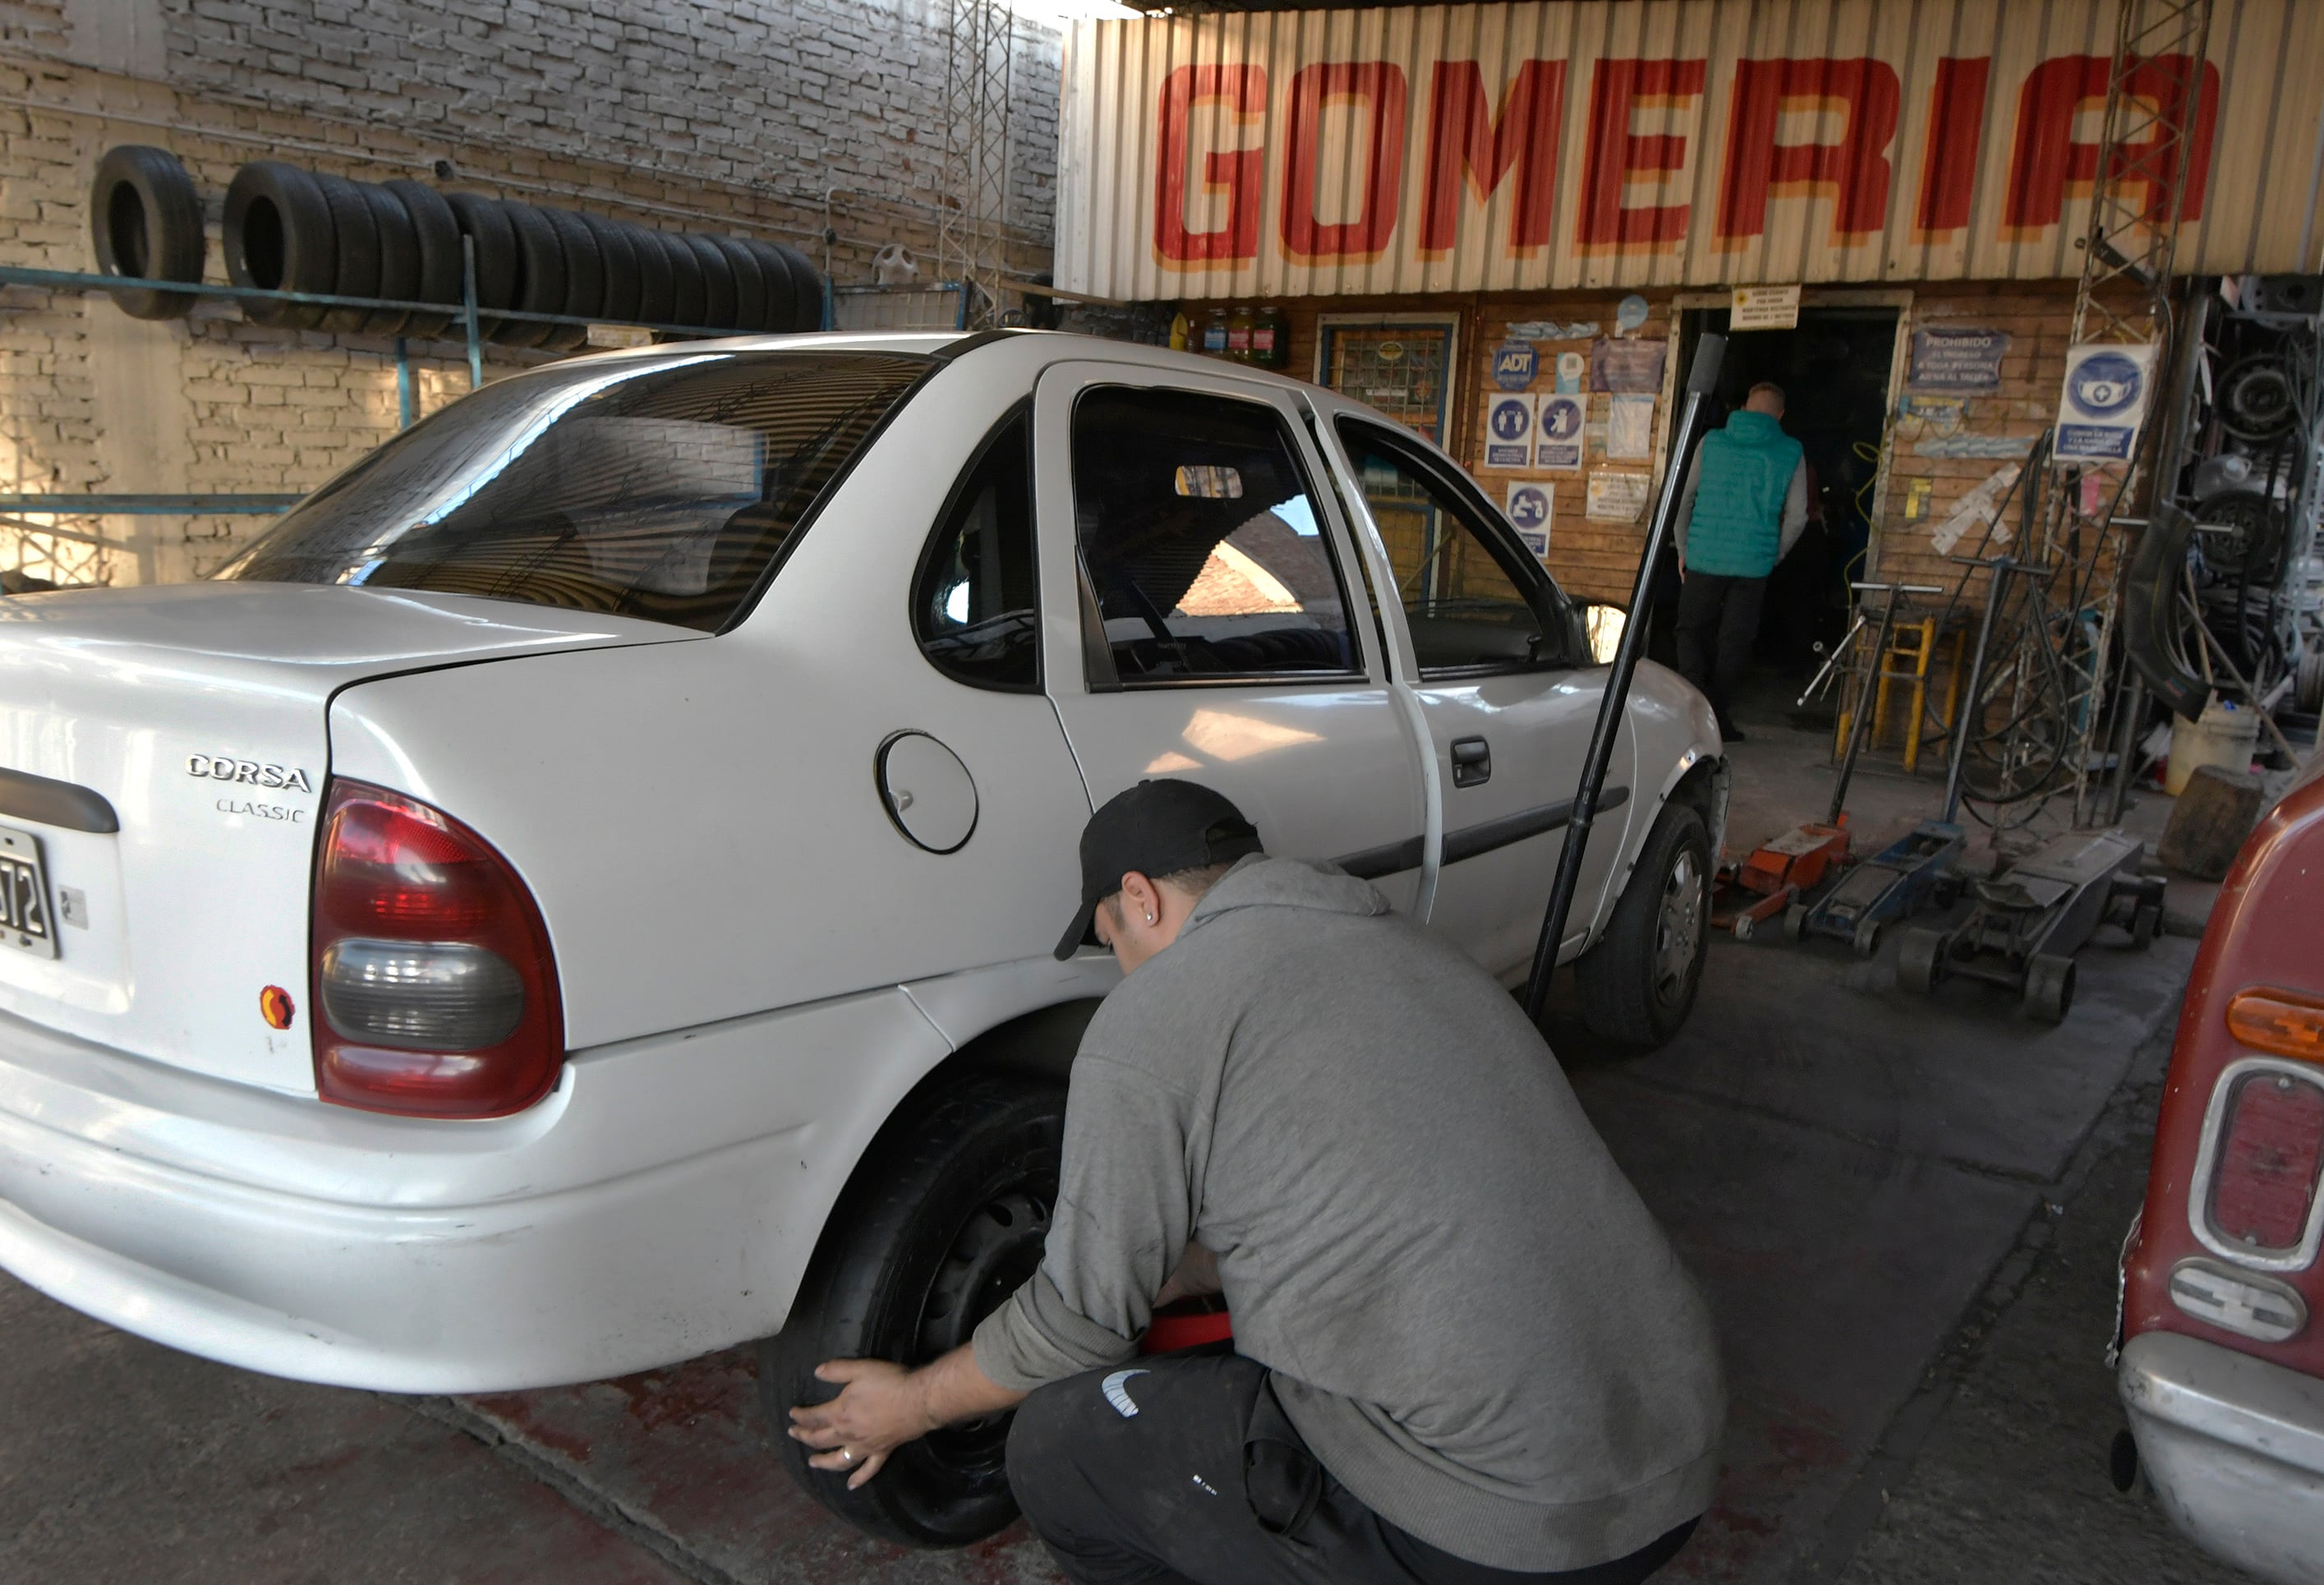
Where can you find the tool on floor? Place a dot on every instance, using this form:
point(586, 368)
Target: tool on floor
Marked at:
point(1748, 893)
point(1911, 870)
point(2027, 925)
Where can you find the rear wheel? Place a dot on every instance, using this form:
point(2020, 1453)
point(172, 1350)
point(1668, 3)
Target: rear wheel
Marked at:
point(946, 1220)
point(1918, 951)
point(2049, 987)
point(1795, 923)
point(1639, 982)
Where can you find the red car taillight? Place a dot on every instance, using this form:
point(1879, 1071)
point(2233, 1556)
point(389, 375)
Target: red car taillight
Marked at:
point(2269, 1145)
point(435, 986)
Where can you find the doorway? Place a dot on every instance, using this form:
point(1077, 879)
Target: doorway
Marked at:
point(1835, 367)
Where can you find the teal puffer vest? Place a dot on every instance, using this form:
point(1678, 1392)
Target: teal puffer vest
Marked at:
point(1745, 471)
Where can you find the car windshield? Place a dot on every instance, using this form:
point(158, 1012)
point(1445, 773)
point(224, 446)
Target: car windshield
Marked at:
point(660, 487)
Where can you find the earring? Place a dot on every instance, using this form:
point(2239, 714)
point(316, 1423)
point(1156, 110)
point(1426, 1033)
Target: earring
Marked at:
point(1150, 919)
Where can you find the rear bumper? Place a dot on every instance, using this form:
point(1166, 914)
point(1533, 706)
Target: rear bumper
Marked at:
point(661, 1203)
point(2233, 1447)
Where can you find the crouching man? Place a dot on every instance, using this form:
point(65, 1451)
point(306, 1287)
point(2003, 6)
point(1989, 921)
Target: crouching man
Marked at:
point(1463, 1350)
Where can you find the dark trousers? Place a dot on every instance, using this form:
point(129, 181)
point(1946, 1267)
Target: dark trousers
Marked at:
point(1184, 1470)
point(1718, 618)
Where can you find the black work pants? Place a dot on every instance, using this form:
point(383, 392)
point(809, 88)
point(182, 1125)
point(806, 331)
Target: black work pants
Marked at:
point(1718, 618)
point(1184, 1472)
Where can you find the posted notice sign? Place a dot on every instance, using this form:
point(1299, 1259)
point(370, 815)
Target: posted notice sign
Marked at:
point(1557, 440)
point(1531, 506)
point(2108, 386)
point(1509, 431)
point(1764, 308)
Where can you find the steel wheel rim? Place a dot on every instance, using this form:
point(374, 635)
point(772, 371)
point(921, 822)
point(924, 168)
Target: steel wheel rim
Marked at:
point(997, 1248)
point(1678, 928)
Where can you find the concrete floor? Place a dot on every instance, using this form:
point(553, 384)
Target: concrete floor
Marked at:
point(1904, 1212)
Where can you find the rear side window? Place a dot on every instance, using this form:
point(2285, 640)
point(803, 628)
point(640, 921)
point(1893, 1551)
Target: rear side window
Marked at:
point(661, 487)
point(1470, 601)
point(1204, 546)
point(975, 605)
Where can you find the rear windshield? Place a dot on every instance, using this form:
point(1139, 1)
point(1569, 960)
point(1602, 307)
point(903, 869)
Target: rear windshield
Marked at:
point(663, 488)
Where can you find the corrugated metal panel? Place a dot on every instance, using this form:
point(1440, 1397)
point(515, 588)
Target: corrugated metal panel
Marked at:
point(1649, 142)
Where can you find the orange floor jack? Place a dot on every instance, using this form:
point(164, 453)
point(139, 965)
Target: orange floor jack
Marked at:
point(1759, 888)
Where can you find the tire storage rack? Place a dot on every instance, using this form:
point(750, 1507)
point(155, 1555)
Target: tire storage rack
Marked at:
point(309, 251)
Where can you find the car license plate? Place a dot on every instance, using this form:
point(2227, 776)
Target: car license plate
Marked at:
point(26, 922)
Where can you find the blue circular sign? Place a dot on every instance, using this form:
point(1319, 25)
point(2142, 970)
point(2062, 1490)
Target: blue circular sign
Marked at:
point(1529, 506)
point(1561, 417)
point(2106, 384)
point(1512, 420)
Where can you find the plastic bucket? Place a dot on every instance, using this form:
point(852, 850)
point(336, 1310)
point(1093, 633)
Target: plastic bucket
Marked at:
point(2224, 736)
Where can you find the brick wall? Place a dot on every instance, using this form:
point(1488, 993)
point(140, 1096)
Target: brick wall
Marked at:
point(742, 120)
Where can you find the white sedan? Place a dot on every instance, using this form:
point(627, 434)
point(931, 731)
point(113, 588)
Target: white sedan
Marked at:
point(579, 892)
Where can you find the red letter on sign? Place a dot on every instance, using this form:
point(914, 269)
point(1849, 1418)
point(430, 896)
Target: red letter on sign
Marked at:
point(1380, 86)
point(1465, 135)
point(1243, 89)
point(2046, 157)
point(1854, 171)
point(1956, 131)
point(1616, 90)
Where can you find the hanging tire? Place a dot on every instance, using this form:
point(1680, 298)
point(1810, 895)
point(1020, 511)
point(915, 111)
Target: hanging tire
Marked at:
point(617, 256)
point(399, 258)
point(717, 281)
point(146, 221)
point(657, 291)
point(750, 283)
point(585, 277)
point(686, 307)
point(1920, 953)
point(488, 231)
point(776, 309)
point(1639, 982)
point(357, 234)
point(943, 1220)
point(279, 238)
point(807, 288)
point(539, 276)
point(2049, 987)
point(436, 233)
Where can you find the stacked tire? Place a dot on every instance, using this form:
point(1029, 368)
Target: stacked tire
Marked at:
point(293, 230)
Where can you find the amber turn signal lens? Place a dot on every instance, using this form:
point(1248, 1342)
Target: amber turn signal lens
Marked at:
point(275, 1006)
point(2278, 1022)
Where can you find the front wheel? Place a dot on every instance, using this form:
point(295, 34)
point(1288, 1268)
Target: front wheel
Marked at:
point(945, 1220)
point(1638, 984)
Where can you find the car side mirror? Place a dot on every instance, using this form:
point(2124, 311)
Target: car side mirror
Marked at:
point(1598, 629)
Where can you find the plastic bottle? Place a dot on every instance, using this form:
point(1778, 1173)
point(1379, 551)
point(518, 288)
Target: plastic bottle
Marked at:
point(1214, 334)
point(1182, 331)
point(1239, 323)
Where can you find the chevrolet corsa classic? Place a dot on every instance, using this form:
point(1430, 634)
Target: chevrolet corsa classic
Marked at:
point(579, 892)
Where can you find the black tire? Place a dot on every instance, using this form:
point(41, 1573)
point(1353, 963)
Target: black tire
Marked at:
point(717, 281)
point(780, 312)
point(1866, 939)
point(585, 277)
point(1796, 924)
point(750, 283)
point(279, 238)
point(1638, 984)
point(943, 1220)
point(617, 256)
point(807, 288)
point(657, 288)
point(489, 231)
point(539, 276)
point(399, 258)
point(2145, 924)
point(2049, 987)
point(1920, 951)
point(146, 221)
point(436, 230)
point(358, 230)
point(686, 304)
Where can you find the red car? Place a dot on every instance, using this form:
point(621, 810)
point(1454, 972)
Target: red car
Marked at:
point(2222, 1366)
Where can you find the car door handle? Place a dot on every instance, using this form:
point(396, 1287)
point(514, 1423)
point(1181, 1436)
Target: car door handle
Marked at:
point(1473, 762)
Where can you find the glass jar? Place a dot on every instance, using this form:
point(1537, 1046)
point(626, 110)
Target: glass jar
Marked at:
point(1239, 323)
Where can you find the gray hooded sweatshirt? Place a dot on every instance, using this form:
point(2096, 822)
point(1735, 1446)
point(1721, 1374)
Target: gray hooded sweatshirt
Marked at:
point(1468, 1315)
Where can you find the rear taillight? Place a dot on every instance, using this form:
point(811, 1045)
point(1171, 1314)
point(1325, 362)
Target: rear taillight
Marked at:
point(2266, 1143)
point(436, 991)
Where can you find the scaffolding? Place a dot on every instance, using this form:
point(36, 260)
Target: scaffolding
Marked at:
point(971, 225)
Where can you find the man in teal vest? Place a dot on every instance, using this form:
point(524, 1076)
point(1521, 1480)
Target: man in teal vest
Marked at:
point(1744, 503)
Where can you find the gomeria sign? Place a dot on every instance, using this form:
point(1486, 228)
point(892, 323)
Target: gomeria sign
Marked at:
point(1657, 142)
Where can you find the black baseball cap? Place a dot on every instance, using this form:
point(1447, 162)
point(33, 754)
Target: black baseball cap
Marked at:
point(1158, 828)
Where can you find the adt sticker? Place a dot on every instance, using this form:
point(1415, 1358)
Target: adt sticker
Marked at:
point(1509, 431)
point(1530, 507)
point(1557, 433)
point(2103, 402)
point(1514, 363)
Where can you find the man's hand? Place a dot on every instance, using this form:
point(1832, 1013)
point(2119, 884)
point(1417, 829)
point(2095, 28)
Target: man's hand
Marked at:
point(881, 1406)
